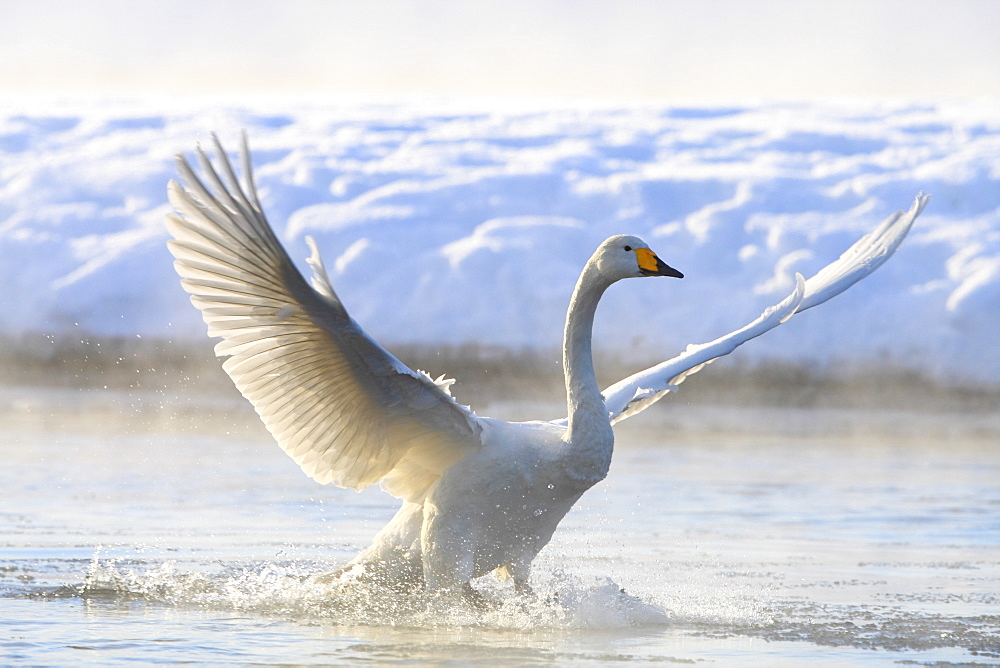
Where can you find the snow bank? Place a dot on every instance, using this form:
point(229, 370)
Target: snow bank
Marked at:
point(445, 223)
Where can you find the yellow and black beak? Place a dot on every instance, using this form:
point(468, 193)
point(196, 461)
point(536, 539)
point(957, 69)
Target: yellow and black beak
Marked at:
point(650, 265)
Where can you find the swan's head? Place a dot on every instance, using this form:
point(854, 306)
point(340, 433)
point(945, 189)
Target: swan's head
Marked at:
point(626, 256)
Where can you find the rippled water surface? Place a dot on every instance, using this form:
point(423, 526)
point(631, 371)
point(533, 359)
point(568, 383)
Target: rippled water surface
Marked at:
point(134, 536)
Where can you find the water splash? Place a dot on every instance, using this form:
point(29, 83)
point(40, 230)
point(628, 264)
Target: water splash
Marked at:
point(560, 600)
point(709, 604)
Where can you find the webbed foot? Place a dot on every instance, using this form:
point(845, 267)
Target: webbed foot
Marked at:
point(476, 599)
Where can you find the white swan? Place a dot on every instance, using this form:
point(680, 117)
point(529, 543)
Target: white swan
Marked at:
point(479, 494)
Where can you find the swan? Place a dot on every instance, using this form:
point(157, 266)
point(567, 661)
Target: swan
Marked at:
point(479, 495)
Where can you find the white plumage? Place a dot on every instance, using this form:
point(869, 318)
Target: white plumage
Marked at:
point(479, 495)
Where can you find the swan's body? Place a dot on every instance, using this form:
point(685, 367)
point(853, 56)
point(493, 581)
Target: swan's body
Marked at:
point(479, 495)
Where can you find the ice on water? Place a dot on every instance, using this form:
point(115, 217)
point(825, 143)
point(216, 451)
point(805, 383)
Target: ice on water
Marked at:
point(819, 544)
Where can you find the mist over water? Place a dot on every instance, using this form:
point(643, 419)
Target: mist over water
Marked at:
point(730, 535)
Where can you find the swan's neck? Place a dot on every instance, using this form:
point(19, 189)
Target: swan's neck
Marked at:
point(589, 428)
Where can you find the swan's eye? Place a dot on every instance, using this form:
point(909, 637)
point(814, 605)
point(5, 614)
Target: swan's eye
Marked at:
point(628, 248)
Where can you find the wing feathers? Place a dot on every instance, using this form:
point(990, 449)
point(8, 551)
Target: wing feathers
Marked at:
point(637, 392)
point(864, 257)
point(347, 411)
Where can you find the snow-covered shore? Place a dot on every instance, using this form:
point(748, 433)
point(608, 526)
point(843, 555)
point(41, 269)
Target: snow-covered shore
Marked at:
point(447, 223)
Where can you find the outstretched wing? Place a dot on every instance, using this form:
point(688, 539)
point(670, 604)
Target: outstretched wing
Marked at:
point(633, 394)
point(340, 405)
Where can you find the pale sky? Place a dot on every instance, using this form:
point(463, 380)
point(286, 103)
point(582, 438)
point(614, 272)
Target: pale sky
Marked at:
point(627, 50)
